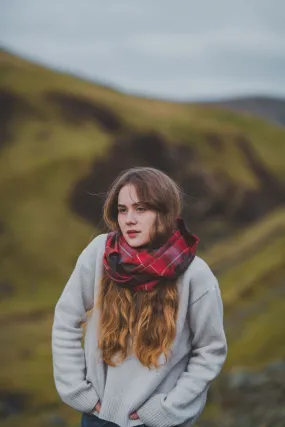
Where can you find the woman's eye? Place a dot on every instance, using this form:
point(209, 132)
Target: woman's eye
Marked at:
point(121, 210)
point(141, 209)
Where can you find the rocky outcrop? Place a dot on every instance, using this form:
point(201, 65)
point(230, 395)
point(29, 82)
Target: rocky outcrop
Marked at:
point(208, 194)
point(12, 107)
point(249, 398)
point(77, 110)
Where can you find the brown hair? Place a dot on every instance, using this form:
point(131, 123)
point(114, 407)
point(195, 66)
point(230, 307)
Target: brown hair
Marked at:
point(147, 319)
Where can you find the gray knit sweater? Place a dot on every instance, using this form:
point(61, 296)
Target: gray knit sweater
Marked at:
point(174, 394)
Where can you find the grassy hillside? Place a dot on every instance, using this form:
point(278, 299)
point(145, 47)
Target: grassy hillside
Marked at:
point(251, 271)
point(62, 137)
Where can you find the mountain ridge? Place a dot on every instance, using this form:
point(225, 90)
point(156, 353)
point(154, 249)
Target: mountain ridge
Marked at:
point(269, 107)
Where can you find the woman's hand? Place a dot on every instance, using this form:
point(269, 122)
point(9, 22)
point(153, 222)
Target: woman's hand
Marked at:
point(134, 416)
point(97, 407)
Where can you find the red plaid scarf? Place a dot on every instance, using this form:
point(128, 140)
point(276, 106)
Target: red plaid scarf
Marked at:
point(137, 269)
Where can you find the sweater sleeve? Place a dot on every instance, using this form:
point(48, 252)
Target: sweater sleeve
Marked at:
point(69, 366)
point(187, 399)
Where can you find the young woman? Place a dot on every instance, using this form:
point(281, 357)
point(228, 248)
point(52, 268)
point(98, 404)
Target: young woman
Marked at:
point(154, 337)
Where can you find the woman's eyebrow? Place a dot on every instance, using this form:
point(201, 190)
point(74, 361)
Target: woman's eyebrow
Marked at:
point(133, 204)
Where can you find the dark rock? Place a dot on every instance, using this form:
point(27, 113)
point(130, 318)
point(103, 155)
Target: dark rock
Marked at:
point(271, 192)
point(12, 403)
point(6, 289)
point(250, 398)
point(12, 107)
point(215, 141)
point(276, 366)
point(245, 379)
point(238, 379)
point(204, 191)
point(208, 194)
point(76, 110)
point(53, 420)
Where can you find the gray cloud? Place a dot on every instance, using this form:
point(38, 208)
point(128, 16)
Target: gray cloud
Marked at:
point(182, 49)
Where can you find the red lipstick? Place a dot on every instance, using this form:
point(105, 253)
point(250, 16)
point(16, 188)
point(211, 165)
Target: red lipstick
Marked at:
point(132, 233)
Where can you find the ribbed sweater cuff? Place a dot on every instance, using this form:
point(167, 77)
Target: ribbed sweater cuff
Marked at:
point(152, 413)
point(85, 401)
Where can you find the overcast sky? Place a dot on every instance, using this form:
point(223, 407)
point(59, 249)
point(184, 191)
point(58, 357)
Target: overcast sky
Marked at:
point(178, 49)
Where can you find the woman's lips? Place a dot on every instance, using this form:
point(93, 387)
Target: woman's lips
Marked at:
point(132, 234)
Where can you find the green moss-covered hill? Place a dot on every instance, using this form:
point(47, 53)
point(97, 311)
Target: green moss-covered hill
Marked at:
point(62, 142)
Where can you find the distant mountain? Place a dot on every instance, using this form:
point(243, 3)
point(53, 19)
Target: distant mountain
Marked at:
point(272, 109)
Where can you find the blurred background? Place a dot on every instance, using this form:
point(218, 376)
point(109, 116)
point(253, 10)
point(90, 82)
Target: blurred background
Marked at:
point(196, 89)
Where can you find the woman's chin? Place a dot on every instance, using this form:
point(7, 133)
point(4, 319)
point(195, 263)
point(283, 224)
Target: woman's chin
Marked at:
point(136, 242)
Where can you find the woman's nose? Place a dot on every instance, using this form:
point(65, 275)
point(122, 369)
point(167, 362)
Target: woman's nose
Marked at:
point(131, 217)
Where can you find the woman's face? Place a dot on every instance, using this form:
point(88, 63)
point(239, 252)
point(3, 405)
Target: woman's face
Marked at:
point(136, 220)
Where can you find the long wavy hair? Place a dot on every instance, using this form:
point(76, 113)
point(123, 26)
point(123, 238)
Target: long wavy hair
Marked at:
point(140, 322)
